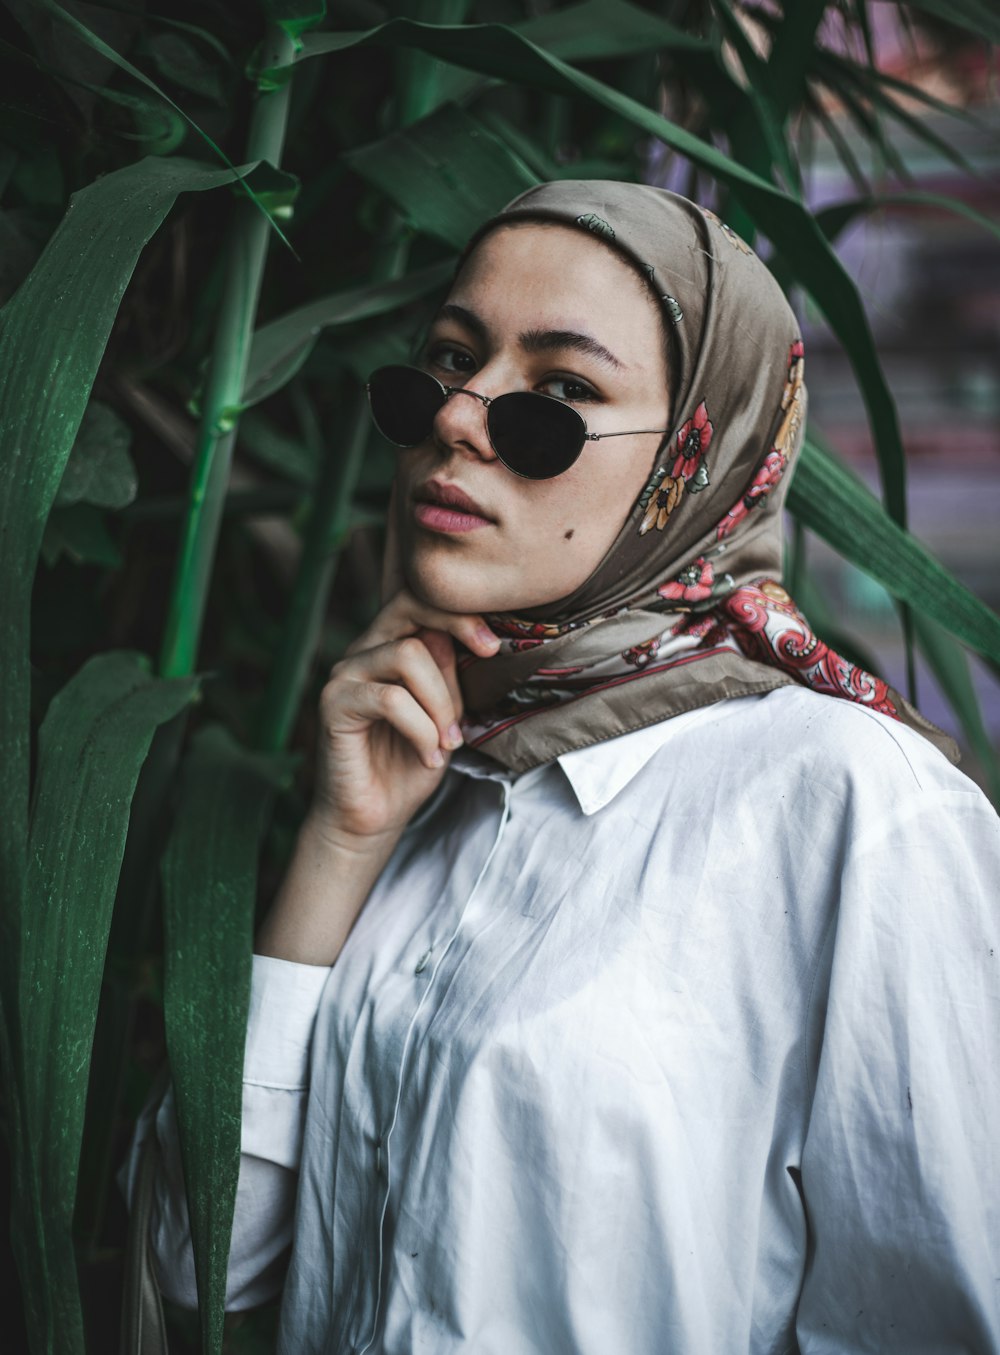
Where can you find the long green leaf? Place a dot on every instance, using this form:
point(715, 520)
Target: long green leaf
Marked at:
point(595, 30)
point(443, 172)
point(281, 347)
point(950, 667)
point(91, 747)
point(48, 372)
point(760, 85)
point(838, 73)
point(91, 39)
point(499, 51)
point(209, 885)
point(794, 42)
point(833, 502)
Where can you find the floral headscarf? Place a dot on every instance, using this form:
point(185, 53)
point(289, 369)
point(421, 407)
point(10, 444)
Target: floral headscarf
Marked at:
point(687, 607)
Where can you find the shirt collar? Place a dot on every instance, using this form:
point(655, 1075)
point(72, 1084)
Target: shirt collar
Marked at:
point(599, 772)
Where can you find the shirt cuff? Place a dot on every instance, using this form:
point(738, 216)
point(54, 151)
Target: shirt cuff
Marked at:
point(284, 998)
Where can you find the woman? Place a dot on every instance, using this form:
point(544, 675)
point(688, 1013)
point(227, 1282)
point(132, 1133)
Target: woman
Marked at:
point(660, 1016)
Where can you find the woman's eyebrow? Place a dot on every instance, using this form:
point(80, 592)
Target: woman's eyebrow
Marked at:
point(537, 340)
point(546, 340)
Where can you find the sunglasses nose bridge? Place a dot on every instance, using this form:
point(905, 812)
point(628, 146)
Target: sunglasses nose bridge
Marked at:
point(457, 430)
point(485, 400)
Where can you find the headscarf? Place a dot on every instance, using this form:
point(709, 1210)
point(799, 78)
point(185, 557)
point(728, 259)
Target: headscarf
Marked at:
point(687, 607)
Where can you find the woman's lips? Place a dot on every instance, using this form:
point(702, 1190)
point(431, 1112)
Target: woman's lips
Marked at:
point(447, 508)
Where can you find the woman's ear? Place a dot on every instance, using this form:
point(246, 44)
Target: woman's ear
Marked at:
point(392, 571)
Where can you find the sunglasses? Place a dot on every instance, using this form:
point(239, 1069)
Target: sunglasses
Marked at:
point(535, 436)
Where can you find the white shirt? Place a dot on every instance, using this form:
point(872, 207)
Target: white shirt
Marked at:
point(686, 1042)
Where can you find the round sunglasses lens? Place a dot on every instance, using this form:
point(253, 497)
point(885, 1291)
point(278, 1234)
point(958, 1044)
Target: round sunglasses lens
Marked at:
point(403, 402)
point(535, 435)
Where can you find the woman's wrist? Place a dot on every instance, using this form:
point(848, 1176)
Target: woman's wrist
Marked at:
point(328, 880)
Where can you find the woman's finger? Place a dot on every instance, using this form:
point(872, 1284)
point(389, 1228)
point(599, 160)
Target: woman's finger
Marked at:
point(370, 702)
point(442, 650)
point(405, 614)
point(410, 662)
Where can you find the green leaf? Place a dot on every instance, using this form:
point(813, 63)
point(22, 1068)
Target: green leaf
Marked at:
point(499, 51)
point(98, 44)
point(760, 93)
point(80, 532)
point(209, 884)
point(295, 16)
point(281, 347)
point(833, 502)
point(179, 60)
point(91, 746)
point(595, 30)
point(837, 72)
point(276, 450)
point(99, 469)
point(791, 51)
point(950, 667)
point(48, 372)
point(444, 172)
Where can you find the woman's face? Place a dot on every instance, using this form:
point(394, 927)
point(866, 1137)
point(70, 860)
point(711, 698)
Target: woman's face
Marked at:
point(535, 308)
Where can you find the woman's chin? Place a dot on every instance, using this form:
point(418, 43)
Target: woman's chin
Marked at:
point(440, 588)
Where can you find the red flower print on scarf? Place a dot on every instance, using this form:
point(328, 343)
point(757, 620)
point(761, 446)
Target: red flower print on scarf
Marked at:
point(767, 476)
point(695, 583)
point(662, 495)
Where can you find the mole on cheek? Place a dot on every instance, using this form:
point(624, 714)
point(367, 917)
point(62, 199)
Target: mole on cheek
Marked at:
point(569, 534)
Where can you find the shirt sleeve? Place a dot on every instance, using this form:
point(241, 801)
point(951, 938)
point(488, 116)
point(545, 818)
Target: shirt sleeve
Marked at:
point(901, 1160)
point(284, 998)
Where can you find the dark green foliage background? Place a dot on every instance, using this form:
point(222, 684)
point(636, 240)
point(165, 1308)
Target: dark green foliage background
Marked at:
point(214, 220)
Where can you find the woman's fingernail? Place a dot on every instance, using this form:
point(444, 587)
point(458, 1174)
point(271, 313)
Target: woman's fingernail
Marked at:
point(437, 758)
point(487, 637)
point(455, 736)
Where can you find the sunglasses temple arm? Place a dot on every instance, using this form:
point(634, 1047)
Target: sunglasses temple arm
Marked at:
point(628, 433)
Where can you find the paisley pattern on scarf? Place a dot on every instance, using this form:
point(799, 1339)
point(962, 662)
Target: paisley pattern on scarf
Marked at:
point(687, 608)
point(768, 626)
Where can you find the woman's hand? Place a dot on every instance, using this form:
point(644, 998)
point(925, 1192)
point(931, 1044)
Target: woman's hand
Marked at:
point(389, 718)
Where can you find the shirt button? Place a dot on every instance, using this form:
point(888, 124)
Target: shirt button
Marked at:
point(421, 964)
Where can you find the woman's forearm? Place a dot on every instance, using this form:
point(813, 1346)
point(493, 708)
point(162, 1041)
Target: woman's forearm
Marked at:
point(324, 889)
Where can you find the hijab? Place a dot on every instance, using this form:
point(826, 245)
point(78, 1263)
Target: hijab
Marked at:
point(687, 607)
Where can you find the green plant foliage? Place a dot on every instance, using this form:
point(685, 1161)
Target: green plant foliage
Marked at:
point(48, 375)
point(99, 469)
point(92, 744)
point(280, 347)
point(209, 887)
point(829, 499)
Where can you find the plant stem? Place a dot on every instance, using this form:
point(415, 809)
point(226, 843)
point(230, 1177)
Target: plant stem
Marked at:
point(246, 254)
point(324, 538)
point(418, 79)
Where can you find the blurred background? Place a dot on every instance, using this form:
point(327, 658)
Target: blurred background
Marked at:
point(930, 280)
point(931, 283)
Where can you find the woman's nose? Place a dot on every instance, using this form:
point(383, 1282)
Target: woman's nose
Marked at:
point(460, 424)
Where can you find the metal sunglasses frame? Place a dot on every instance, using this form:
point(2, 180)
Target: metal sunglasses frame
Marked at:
point(487, 400)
